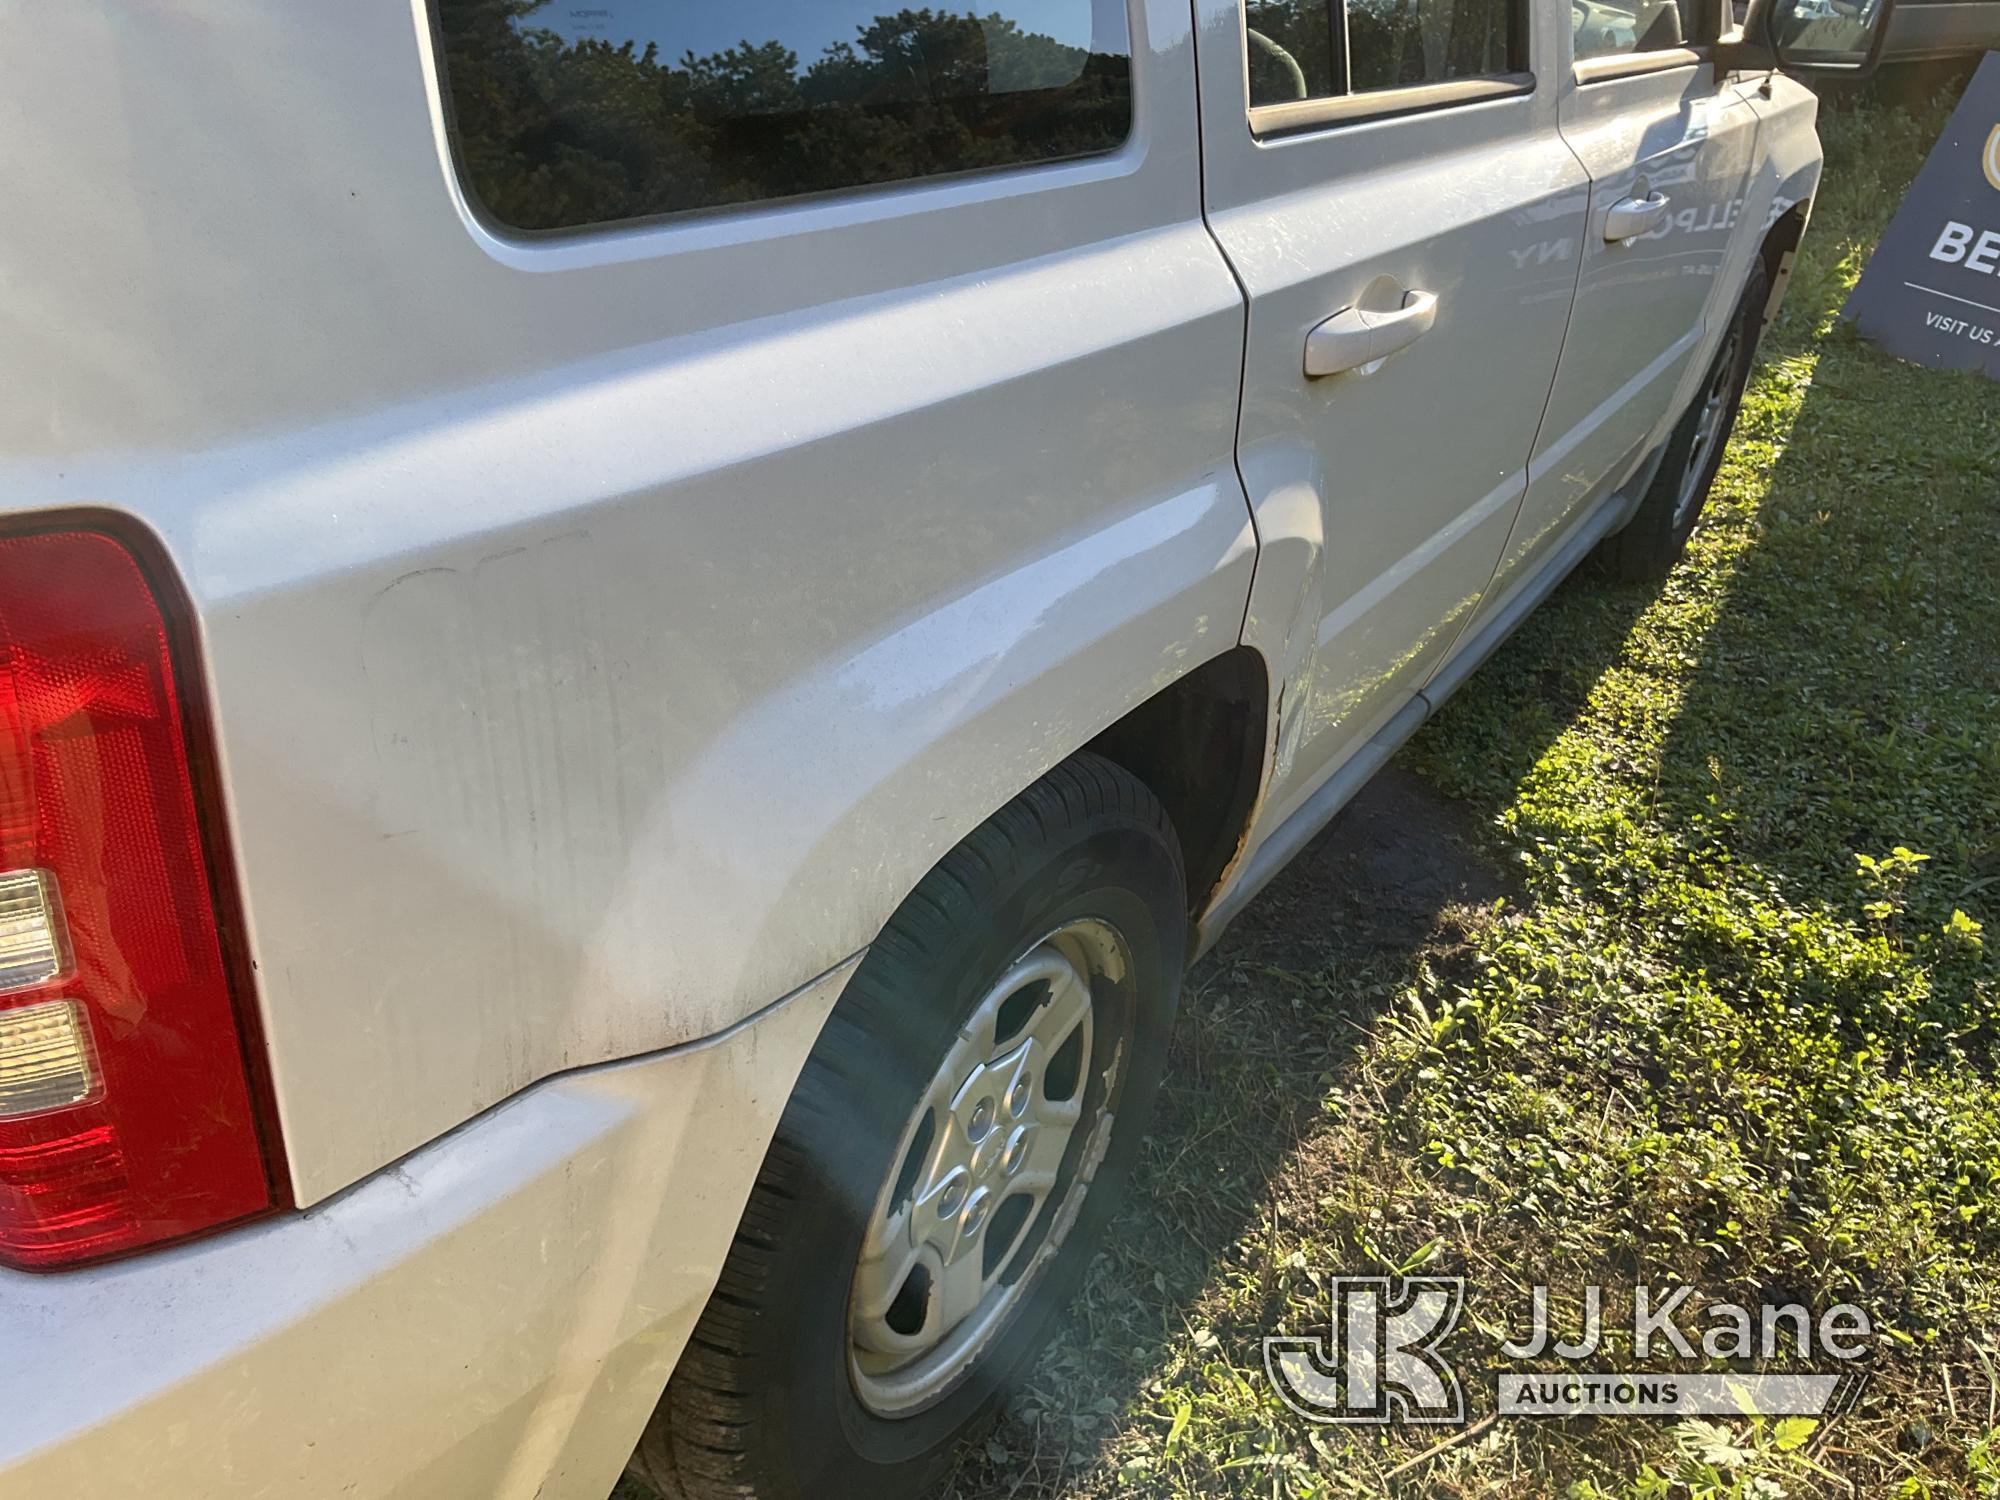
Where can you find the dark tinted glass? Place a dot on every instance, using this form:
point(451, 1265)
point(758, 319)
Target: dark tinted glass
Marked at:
point(1296, 47)
point(1617, 28)
point(1397, 43)
point(569, 113)
point(1828, 33)
point(1292, 53)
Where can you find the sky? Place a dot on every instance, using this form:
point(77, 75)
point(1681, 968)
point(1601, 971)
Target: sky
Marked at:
point(806, 26)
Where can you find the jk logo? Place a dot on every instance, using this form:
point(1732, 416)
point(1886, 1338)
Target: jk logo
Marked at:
point(1380, 1361)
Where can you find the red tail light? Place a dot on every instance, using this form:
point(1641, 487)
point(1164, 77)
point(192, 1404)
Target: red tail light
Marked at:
point(126, 1109)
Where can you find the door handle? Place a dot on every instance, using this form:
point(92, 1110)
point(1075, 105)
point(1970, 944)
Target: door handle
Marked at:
point(1357, 339)
point(1635, 216)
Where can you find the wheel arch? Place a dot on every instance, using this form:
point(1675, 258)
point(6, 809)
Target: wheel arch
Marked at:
point(1200, 745)
point(1779, 253)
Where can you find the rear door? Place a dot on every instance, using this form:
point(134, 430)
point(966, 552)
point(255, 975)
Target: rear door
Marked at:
point(1390, 175)
point(1669, 151)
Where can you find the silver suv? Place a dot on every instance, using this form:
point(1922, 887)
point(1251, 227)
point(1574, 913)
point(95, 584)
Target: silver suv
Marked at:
point(638, 638)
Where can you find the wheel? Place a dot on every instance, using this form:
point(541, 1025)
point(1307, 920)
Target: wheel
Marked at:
point(941, 1174)
point(1652, 542)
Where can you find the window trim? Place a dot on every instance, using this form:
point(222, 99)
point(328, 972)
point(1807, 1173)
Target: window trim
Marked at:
point(1615, 65)
point(1340, 109)
point(1347, 107)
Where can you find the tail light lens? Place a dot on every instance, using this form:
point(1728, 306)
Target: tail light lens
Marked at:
point(127, 1115)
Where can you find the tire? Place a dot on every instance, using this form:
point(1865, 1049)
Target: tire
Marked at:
point(784, 1391)
point(1656, 536)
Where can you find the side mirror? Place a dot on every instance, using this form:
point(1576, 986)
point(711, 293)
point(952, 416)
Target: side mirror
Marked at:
point(1809, 38)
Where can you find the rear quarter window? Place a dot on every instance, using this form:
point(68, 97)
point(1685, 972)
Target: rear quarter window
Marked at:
point(566, 115)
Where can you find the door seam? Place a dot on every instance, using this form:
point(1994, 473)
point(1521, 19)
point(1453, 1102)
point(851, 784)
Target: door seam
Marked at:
point(1548, 400)
point(1243, 305)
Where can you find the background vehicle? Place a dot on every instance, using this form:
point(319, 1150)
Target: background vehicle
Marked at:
point(1929, 30)
point(633, 661)
point(1925, 29)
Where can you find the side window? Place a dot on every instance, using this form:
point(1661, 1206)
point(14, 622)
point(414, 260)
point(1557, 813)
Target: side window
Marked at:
point(1320, 49)
point(1292, 51)
point(1622, 28)
point(572, 113)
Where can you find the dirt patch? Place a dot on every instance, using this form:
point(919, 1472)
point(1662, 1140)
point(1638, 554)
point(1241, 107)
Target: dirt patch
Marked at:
point(1378, 877)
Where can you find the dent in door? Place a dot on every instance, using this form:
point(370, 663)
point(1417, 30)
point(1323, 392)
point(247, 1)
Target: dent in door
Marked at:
point(1368, 572)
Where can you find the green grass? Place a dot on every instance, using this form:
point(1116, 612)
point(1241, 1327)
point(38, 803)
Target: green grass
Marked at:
point(1650, 991)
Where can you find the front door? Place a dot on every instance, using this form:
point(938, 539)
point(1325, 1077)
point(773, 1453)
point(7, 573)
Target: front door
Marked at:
point(1669, 152)
point(1390, 186)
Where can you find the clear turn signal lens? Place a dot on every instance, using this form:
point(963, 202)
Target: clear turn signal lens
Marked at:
point(45, 1059)
point(33, 946)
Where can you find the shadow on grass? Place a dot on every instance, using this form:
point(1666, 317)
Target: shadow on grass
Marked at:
point(1845, 697)
point(1273, 1015)
point(1804, 727)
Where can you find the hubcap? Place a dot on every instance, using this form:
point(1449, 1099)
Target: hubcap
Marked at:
point(1708, 431)
point(984, 1184)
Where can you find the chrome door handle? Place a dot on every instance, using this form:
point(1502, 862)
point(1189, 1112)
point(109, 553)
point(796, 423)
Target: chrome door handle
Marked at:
point(1635, 216)
point(1356, 339)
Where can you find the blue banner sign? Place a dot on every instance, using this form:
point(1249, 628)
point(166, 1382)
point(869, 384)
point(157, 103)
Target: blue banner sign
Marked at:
point(1931, 294)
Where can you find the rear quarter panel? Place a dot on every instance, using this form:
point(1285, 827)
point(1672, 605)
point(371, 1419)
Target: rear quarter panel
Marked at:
point(604, 634)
